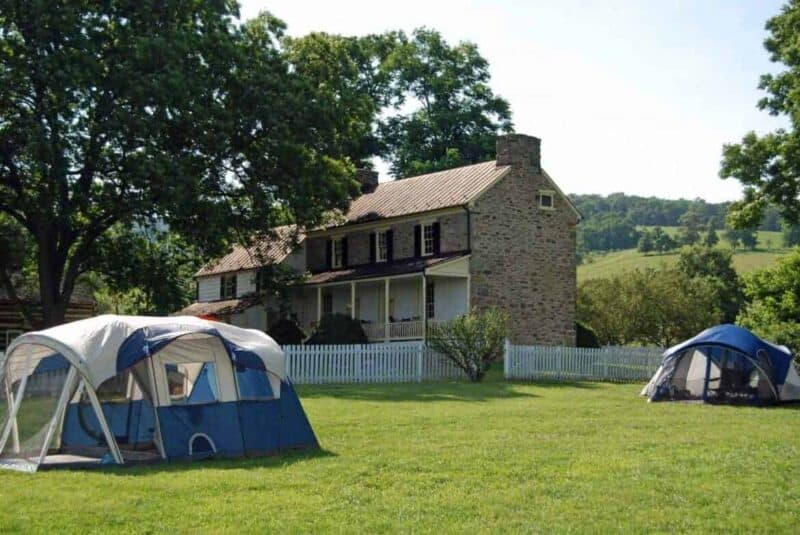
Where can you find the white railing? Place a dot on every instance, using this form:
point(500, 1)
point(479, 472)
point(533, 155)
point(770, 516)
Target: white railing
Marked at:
point(398, 330)
point(619, 364)
point(401, 362)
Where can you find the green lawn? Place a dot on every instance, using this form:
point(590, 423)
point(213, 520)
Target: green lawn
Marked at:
point(458, 457)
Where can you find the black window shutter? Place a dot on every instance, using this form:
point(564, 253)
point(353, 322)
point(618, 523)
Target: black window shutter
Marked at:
point(389, 245)
point(222, 287)
point(417, 240)
point(329, 254)
point(344, 251)
point(436, 234)
point(235, 278)
point(372, 251)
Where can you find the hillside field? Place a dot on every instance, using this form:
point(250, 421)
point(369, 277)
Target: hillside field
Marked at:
point(768, 250)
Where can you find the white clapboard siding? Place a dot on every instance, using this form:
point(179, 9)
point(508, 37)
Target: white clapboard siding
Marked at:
point(618, 364)
point(370, 363)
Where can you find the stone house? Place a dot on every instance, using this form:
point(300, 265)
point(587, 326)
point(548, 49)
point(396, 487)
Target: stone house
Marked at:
point(419, 250)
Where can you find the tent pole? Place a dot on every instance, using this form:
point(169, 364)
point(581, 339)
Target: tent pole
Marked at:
point(12, 415)
point(154, 399)
point(59, 413)
point(101, 417)
point(14, 428)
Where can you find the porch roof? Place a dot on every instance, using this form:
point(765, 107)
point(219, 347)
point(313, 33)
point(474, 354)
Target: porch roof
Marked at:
point(218, 308)
point(368, 271)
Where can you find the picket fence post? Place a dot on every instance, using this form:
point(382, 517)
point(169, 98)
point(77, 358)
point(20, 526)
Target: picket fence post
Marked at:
point(506, 359)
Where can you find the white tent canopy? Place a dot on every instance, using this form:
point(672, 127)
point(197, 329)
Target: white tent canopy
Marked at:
point(92, 345)
point(190, 373)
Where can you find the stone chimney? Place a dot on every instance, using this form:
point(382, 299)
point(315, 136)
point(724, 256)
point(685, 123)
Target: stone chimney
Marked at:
point(519, 150)
point(368, 180)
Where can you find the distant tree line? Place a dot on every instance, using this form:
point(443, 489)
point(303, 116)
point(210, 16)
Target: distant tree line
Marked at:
point(616, 221)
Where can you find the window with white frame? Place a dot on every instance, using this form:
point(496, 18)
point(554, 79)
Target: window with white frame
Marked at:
point(337, 253)
point(546, 199)
point(428, 239)
point(381, 246)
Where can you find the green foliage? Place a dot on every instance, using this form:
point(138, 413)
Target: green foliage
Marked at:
point(689, 232)
point(151, 266)
point(645, 244)
point(585, 336)
point(774, 302)
point(768, 165)
point(286, 332)
point(606, 232)
point(662, 242)
point(455, 115)
point(114, 115)
point(650, 307)
point(716, 267)
point(711, 239)
point(338, 329)
point(790, 235)
point(472, 341)
point(746, 237)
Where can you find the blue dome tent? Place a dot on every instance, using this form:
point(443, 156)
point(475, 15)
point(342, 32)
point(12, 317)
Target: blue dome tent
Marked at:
point(726, 364)
point(123, 389)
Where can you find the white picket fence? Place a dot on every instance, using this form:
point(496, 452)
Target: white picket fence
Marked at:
point(402, 362)
point(617, 364)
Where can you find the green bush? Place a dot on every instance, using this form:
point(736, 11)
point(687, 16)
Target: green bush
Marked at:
point(286, 332)
point(338, 329)
point(472, 341)
point(585, 336)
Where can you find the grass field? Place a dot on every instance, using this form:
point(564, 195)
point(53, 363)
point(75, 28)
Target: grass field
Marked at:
point(458, 457)
point(609, 264)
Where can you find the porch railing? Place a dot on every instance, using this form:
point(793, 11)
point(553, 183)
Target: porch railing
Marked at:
point(397, 330)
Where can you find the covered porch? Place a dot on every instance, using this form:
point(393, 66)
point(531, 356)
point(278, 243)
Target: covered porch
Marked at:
point(392, 307)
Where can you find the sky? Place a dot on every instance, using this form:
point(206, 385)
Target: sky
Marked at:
point(626, 96)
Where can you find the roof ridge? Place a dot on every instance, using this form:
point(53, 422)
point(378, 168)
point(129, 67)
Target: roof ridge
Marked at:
point(440, 171)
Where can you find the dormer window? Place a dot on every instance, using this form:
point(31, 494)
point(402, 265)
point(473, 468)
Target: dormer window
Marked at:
point(381, 246)
point(546, 199)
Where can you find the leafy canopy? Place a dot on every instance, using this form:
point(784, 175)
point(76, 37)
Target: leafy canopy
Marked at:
point(114, 115)
point(455, 116)
point(650, 307)
point(774, 301)
point(768, 166)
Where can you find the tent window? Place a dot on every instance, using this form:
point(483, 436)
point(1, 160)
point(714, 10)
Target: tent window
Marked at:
point(252, 383)
point(114, 389)
point(192, 383)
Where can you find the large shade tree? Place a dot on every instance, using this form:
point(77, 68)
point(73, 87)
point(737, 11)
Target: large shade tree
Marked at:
point(769, 165)
point(154, 113)
point(447, 113)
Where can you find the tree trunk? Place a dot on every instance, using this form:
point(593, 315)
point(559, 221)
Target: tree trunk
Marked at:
point(50, 268)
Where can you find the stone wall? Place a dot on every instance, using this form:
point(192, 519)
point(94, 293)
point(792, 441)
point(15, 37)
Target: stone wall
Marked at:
point(523, 258)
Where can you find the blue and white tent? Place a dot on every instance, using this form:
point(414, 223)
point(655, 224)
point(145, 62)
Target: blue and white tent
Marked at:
point(120, 389)
point(726, 364)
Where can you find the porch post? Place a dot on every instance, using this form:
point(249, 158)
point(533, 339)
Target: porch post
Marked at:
point(469, 297)
point(353, 299)
point(319, 304)
point(386, 332)
point(424, 315)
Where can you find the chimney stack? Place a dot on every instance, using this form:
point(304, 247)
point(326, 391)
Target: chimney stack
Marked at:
point(368, 180)
point(519, 150)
